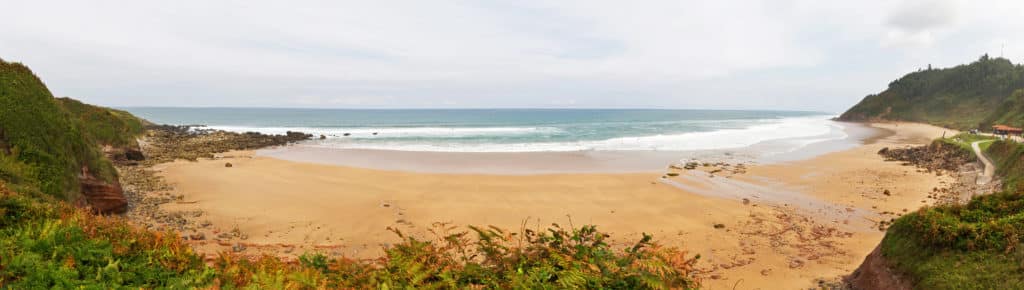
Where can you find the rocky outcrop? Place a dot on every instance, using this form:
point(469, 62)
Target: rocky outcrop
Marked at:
point(934, 157)
point(103, 197)
point(875, 273)
point(166, 143)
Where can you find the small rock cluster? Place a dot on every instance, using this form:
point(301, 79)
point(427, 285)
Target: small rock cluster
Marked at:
point(723, 168)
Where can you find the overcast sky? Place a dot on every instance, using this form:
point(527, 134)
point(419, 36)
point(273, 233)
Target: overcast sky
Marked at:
point(799, 55)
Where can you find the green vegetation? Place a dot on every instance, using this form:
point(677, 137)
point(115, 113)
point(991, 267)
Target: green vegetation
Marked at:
point(42, 146)
point(975, 245)
point(46, 243)
point(104, 126)
point(964, 140)
point(977, 95)
point(1009, 159)
point(933, 267)
point(972, 246)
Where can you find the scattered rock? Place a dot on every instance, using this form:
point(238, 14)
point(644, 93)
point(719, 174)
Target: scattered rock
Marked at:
point(228, 164)
point(886, 192)
point(238, 248)
point(796, 263)
point(323, 137)
point(719, 226)
point(197, 236)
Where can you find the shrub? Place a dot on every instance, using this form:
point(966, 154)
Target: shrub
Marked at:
point(50, 244)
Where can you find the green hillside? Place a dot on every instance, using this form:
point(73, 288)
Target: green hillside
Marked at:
point(104, 126)
point(980, 94)
point(44, 147)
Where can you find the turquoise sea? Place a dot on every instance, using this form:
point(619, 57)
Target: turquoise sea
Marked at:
point(514, 130)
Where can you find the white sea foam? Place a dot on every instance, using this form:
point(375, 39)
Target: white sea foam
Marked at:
point(396, 132)
point(794, 132)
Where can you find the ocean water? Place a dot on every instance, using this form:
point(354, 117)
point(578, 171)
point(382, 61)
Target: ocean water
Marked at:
point(516, 130)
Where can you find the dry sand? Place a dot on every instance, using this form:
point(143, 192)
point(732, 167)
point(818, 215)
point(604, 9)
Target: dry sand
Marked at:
point(785, 224)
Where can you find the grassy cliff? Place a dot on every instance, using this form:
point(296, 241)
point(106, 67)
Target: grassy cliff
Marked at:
point(985, 92)
point(104, 126)
point(43, 146)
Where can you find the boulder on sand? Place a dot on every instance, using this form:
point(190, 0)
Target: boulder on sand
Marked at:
point(134, 155)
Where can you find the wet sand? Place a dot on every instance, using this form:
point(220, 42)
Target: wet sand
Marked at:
point(785, 223)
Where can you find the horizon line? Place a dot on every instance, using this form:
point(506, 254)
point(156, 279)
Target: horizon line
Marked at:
point(469, 108)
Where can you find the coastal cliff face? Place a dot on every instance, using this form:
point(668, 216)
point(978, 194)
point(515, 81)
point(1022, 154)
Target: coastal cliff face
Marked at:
point(985, 92)
point(102, 196)
point(54, 145)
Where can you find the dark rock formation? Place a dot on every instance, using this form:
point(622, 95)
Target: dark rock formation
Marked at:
point(134, 155)
point(934, 157)
point(166, 143)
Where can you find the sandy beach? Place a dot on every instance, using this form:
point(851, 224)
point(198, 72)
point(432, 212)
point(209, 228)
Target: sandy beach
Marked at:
point(760, 226)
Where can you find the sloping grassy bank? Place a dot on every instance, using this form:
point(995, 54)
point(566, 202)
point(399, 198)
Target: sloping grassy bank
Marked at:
point(45, 242)
point(104, 126)
point(972, 246)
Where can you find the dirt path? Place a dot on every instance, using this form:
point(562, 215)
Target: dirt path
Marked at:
point(990, 169)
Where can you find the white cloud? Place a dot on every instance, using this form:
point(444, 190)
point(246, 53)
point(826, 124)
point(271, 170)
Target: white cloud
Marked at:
point(657, 53)
point(916, 23)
